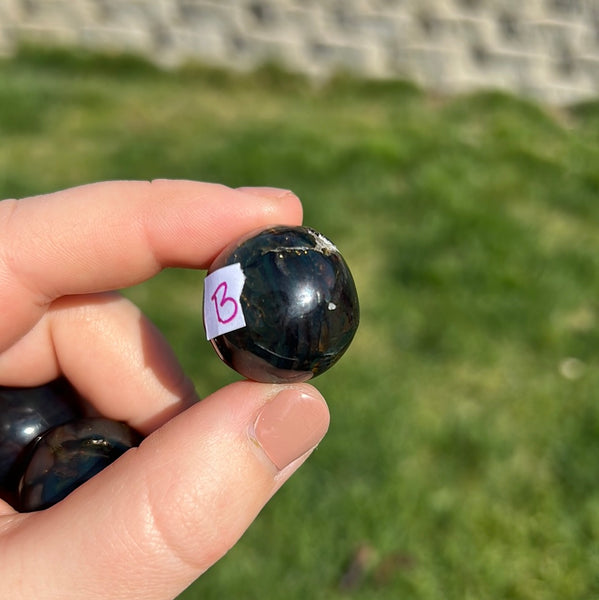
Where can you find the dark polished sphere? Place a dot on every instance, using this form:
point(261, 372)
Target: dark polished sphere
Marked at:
point(68, 455)
point(26, 413)
point(299, 302)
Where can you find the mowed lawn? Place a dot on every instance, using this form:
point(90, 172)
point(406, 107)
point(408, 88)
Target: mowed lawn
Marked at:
point(463, 456)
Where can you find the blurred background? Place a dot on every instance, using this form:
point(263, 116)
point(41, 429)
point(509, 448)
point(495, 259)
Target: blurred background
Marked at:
point(545, 49)
point(450, 150)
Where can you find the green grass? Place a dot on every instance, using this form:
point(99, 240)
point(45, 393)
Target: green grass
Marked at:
point(463, 456)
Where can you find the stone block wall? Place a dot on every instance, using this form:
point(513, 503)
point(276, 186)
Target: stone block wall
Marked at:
point(544, 49)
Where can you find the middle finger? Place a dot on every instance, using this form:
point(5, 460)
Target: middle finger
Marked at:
point(112, 354)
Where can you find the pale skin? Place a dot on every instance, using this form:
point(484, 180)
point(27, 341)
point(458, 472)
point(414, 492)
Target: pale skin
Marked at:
point(154, 521)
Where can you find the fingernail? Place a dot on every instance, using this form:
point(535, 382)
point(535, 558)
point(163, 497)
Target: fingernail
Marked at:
point(289, 425)
point(267, 192)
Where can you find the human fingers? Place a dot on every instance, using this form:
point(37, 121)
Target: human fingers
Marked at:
point(163, 513)
point(110, 352)
point(114, 234)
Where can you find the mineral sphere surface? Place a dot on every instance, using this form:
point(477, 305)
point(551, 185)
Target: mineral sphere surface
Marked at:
point(67, 456)
point(289, 300)
point(26, 413)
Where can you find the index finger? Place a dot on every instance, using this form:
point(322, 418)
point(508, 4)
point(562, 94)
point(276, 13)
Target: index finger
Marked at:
point(115, 234)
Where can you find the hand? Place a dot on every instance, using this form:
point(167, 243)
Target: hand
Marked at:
point(153, 521)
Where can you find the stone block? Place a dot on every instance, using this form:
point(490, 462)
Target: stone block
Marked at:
point(118, 39)
point(515, 30)
point(138, 15)
point(561, 95)
point(209, 44)
point(302, 23)
point(259, 15)
point(7, 41)
point(554, 35)
point(191, 14)
point(589, 39)
point(589, 65)
point(389, 5)
point(10, 12)
point(430, 66)
point(514, 70)
point(286, 25)
point(42, 34)
point(380, 28)
point(293, 55)
point(466, 30)
point(566, 8)
point(352, 58)
point(429, 22)
point(52, 14)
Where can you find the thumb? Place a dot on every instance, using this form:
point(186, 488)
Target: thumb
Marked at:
point(163, 513)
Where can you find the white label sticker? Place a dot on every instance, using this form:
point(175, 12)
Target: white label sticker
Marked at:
point(222, 306)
